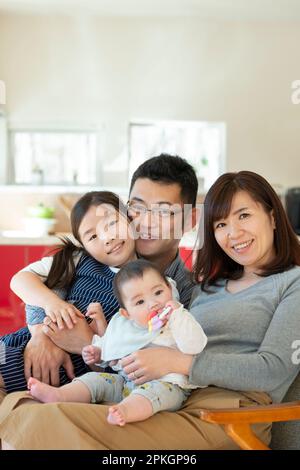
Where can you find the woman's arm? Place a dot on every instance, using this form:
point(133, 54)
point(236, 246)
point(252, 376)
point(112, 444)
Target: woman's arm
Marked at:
point(269, 368)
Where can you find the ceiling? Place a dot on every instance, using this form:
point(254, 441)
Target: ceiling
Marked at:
point(232, 10)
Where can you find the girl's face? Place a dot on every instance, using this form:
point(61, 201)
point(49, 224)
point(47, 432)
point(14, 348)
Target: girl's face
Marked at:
point(106, 236)
point(247, 234)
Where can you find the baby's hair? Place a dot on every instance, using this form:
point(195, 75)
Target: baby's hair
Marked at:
point(63, 268)
point(133, 270)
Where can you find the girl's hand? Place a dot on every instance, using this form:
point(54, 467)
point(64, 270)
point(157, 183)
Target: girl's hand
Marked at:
point(95, 312)
point(61, 313)
point(91, 354)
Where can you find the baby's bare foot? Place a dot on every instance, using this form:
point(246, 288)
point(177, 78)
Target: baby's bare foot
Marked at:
point(117, 415)
point(43, 392)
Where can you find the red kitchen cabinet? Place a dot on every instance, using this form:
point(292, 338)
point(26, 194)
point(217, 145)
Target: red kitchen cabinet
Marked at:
point(13, 258)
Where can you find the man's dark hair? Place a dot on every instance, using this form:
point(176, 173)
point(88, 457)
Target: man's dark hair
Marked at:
point(170, 169)
point(133, 270)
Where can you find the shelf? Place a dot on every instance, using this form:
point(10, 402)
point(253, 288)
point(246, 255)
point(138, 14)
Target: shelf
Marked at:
point(22, 239)
point(53, 189)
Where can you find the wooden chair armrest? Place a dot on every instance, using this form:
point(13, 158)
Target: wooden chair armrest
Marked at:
point(237, 422)
point(253, 414)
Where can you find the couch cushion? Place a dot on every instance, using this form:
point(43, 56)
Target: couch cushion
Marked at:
point(286, 435)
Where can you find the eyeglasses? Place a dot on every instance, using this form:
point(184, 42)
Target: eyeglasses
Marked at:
point(138, 210)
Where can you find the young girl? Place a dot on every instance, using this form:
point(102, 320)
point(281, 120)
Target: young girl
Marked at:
point(100, 226)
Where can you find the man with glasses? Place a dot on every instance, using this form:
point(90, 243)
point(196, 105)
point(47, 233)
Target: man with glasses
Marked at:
point(162, 201)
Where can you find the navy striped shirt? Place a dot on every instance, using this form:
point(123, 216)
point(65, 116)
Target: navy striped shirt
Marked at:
point(93, 282)
point(183, 278)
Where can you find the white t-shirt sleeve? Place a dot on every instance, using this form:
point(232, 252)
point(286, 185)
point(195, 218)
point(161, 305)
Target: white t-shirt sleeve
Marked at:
point(187, 332)
point(42, 267)
point(175, 293)
point(97, 341)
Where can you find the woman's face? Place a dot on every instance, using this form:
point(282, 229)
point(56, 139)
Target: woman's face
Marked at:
point(106, 235)
point(247, 234)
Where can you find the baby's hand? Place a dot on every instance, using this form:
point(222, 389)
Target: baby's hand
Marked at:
point(158, 318)
point(95, 312)
point(62, 313)
point(174, 306)
point(91, 354)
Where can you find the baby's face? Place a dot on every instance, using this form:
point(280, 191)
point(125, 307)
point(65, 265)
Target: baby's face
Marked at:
point(145, 294)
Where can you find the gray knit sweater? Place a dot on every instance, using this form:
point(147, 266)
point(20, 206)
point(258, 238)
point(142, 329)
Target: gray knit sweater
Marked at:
point(250, 335)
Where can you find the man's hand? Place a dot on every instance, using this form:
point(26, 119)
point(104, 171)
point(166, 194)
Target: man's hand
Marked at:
point(42, 360)
point(72, 340)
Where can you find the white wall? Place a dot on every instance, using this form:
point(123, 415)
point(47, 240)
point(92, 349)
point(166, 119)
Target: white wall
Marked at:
point(110, 70)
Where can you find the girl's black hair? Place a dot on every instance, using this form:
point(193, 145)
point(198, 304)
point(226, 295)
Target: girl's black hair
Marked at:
point(63, 268)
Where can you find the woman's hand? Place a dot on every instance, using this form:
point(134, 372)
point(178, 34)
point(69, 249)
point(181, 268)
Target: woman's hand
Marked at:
point(42, 359)
point(70, 340)
point(152, 363)
point(61, 313)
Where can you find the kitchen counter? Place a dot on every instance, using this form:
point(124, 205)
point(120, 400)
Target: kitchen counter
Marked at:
point(11, 237)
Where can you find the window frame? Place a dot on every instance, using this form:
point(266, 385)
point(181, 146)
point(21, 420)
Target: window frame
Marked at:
point(13, 128)
point(181, 124)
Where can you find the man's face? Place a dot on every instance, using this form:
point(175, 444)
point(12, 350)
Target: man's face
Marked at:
point(159, 230)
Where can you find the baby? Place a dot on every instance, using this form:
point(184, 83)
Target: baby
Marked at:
point(141, 290)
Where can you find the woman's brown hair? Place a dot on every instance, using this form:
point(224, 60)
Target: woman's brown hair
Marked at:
point(212, 262)
point(63, 268)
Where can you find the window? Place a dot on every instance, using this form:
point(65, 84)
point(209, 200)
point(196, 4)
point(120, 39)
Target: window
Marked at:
point(54, 157)
point(201, 143)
